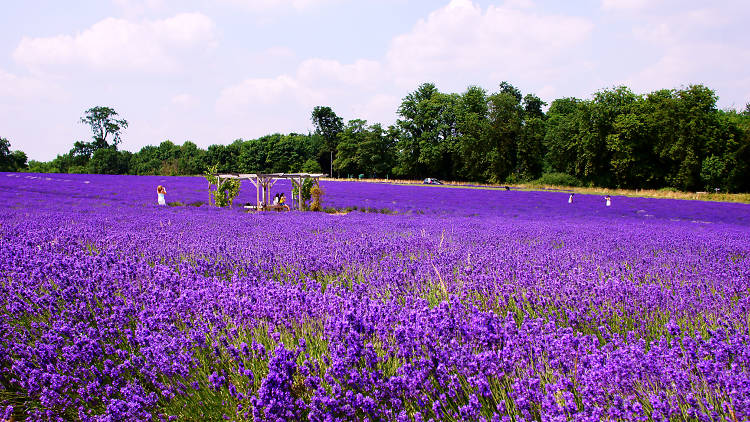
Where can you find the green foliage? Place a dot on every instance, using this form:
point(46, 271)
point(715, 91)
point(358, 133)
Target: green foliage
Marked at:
point(77, 170)
point(317, 193)
point(557, 179)
point(103, 123)
point(11, 160)
point(42, 167)
point(224, 190)
point(504, 131)
point(713, 172)
point(109, 161)
point(307, 186)
point(426, 131)
point(327, 125)
point(311, 166)
point(364, 149)
point(667, 138)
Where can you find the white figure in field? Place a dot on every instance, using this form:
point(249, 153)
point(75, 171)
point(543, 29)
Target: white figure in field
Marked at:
point(570, 198)
point(609, 200)
point(160, 193)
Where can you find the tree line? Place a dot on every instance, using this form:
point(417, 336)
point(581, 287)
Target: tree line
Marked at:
point(675, 138)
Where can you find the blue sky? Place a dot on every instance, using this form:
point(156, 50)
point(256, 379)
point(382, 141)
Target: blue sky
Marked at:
point(212, 72)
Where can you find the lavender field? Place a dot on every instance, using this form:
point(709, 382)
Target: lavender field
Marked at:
point(437, 303)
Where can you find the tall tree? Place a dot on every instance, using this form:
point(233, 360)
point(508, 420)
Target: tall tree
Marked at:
point(104, 126)
point(530, 149)
point(559, 139)
point(472, 127)
point(328, 125)
point(505, 123)
point(532, 107)
point(364, 150)
point(428, 142)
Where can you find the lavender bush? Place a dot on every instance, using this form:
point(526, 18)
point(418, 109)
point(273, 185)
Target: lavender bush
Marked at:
point(460, 304)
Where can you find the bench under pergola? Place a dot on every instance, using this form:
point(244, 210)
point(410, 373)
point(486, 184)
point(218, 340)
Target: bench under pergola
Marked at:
point(263, 183)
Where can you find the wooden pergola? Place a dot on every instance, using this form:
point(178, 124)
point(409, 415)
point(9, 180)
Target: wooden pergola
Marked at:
point(265, 181)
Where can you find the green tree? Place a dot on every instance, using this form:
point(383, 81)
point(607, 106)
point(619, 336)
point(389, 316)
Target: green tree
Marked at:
point(596, 123)
point(505, 118)
point(105, 126)
point(687, 129)
point(364, 149)
point(532, 107)
point(191, 159)
point(311, 166)
point(146, 161)
point(11, 160)
point(42, 167)
point(347, 158)
point(713, 172)
point(530, 149)
point(224, 190)
point(109, 161)
point(328, 125)
point(169, 156)
point(225, 156)
point(427, 133)
point(559, 139)
point(472, 126)
point(253, 155)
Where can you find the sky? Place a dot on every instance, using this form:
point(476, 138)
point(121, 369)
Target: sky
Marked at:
point(215, 71)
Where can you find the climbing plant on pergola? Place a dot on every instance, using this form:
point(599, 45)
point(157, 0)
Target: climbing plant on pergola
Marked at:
point(263, 183)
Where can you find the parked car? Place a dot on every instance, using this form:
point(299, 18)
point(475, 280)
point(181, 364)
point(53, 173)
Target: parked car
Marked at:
point(431, 181)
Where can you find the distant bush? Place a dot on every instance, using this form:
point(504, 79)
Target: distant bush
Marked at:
point(515, 179)
point(175, 204)
point(557, 179)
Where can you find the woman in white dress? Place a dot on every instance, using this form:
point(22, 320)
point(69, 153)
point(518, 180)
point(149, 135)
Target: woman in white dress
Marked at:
point(160, 193)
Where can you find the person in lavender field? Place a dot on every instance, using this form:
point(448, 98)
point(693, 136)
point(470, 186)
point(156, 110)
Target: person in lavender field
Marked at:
point(276, 199)
point(570, 198)
point(282, 201)
point(160, 194)
point(608, 200)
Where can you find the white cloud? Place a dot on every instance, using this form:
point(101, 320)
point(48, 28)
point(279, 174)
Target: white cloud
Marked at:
point(139, 7)
point(691, 44)
point(461, 37)
point(260, 91)
point(27, 87)
point(460, 43)
point(279, 52)
point(272, 5)
point(628, 5)
point(698, 63)
point(315, 81)
point(152, 46)
point(184, 101)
